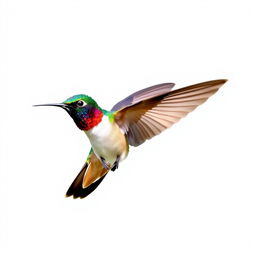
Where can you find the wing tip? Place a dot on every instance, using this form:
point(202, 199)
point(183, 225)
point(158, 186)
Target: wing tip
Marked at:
point(222, 80)
point(218, 81)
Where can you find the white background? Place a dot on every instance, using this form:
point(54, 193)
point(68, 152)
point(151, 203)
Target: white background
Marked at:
point(189, 191)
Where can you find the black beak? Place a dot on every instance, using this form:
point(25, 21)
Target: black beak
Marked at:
point(62, 105)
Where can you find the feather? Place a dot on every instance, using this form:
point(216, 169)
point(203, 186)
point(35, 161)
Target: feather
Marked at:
point(88, 179)
point(147, 113)
point(143, 94)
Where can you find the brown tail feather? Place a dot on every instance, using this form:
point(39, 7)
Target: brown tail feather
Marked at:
point(88, 178)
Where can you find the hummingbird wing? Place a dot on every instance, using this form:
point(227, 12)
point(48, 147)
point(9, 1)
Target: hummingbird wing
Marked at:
point(88, 179)
point(144, 118)
point(143, 94)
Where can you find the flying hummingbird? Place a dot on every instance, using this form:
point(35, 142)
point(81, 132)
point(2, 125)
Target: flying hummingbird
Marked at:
point(132, 121)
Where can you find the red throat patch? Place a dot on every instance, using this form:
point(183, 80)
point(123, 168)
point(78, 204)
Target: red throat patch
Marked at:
point(92, 121)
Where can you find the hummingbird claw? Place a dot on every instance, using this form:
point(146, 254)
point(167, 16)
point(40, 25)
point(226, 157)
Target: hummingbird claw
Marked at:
point(116, 164)
point(104, 163)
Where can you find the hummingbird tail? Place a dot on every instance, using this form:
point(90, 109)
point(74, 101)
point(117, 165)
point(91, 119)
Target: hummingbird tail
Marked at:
point(88, 178)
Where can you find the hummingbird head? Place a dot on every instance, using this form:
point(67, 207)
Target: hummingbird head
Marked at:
point(83, 109)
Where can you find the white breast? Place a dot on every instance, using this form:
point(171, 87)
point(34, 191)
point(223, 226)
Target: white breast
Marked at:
point(107, 140)
point(102, 130)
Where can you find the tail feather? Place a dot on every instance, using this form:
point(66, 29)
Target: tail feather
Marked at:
point(91, 175)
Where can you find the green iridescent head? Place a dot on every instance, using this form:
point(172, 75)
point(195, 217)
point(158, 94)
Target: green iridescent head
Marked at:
point(84, 110)
point(81, 100)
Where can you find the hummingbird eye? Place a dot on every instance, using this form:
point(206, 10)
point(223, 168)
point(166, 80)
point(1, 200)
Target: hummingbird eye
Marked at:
point(80, 103)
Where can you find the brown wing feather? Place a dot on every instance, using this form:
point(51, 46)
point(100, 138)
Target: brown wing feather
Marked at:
point(150, 117)
point(144, 94)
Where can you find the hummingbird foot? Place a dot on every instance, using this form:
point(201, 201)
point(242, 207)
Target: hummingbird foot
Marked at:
point(105, 164)
point(116, 164)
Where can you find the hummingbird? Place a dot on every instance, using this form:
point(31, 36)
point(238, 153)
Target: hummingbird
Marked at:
point(135, 119)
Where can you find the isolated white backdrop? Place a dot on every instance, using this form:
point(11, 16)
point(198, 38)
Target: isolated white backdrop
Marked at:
point(189, 191)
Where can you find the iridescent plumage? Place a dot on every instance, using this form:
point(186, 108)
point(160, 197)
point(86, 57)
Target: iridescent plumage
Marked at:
point(132, 121)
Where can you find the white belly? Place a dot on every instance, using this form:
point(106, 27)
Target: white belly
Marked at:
point(108, 141)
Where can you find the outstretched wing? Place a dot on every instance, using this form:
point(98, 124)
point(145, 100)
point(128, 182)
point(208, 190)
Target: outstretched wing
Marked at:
point(143, 94)
point(146, 117)
point(88, 178)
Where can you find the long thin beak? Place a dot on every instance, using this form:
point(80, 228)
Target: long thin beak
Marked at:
point(62, 105)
